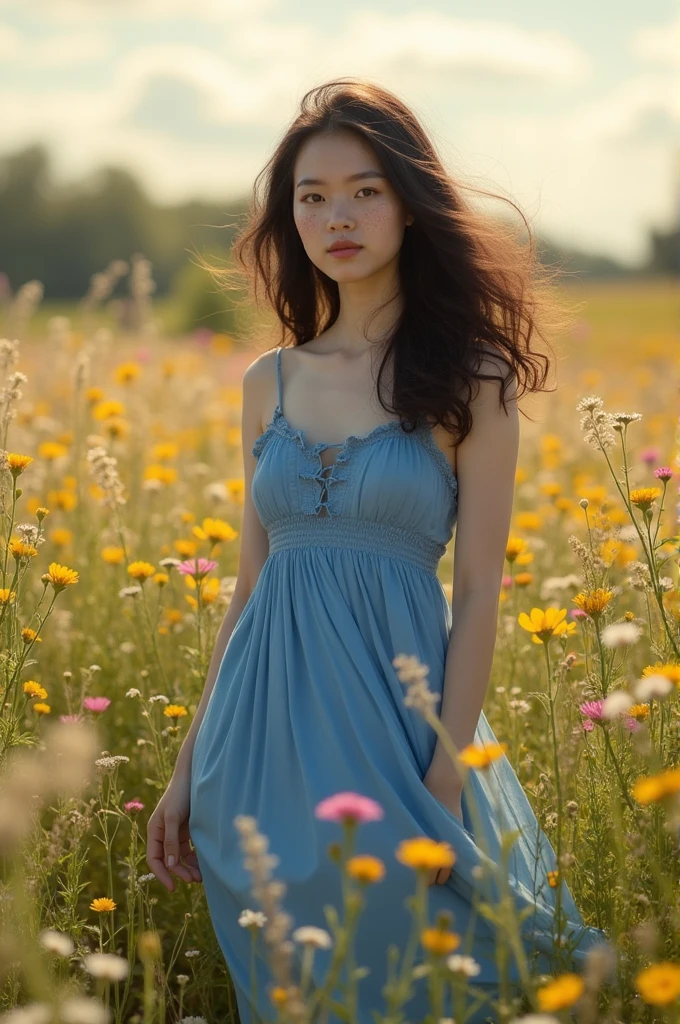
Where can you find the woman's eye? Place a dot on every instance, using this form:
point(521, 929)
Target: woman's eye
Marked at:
point(366, 188)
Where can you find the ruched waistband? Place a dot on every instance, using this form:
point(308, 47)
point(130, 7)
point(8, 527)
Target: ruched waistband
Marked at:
point(301, 531)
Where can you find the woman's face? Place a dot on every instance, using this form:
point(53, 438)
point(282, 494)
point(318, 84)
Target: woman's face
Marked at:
point(333, 207)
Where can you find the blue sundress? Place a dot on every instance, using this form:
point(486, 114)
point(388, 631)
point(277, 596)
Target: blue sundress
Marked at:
point(307, 703)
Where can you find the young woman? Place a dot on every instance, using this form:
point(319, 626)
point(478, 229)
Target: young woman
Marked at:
point(391, 418)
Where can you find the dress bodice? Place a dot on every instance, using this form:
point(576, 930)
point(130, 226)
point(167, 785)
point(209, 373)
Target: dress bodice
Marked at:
point(389, 490)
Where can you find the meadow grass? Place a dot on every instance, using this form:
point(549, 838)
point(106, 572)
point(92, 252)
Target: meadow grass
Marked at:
point(120, 464)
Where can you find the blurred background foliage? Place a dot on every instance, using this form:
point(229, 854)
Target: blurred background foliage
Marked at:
point(58, 234)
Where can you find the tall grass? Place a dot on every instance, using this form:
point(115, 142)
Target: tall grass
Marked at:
point(119, 467)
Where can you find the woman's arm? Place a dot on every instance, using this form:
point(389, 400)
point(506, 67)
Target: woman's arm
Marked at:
point(486, 464)
point(258, 382)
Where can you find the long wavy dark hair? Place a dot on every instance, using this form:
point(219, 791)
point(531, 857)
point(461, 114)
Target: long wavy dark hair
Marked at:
point(470, 284)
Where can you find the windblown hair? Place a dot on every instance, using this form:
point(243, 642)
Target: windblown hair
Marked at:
point(470, 287)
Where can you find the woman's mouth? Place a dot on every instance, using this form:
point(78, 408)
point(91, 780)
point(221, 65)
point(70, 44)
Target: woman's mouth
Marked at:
point(345, 251)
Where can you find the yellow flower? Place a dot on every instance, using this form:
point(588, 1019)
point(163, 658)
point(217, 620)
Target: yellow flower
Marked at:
point(523, 579)
point(165, 450)
point(60, 577)
point(29, 635)
point(616, 551)
point(279, 995)
point(6, 596)
point(553, 879)
point(63, 499)
point(173, 615)
point(51, 450)
point(481, 756)
point(520, 475)
point(41, 512)
point(33, 689)
point(163, 474)
point(175, 711)
point(105, 410)
point(651, 788)
point(544, 624)
point(214, 530)
point(638, 711)
point(61, 537)
point(560, 993)
point(593, 602)
point(161, 578)
point(659, 984)
point(20, 549)
point(186, 548)
point(596, 494)
point(113, 555)
point(17, 463)
point(551, 443)
point(423, 854)
point(124, 373)
point(438, 941)
point(660, 668)
point(550, 488)
point(141, 570)
point(101, 904)
point(42, 709)
point(525, 558)
point(644, 496)
point(210, 590)
point(365, 868)
point(117, 427)
point(528, 521)
point(236, 488)
point(94, 394)
point(514, 547)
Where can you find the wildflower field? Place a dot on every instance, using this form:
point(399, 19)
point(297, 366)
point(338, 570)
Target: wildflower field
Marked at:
point(121, 492)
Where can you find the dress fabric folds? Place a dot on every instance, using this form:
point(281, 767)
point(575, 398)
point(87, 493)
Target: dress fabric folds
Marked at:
point(307, 703)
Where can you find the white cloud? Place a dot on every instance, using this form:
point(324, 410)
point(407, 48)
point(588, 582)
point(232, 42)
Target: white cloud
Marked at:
point(63, 50)
point(434, 41)
point(659, 43)
point(567, 167)
point(158, 10)
point(10, 42)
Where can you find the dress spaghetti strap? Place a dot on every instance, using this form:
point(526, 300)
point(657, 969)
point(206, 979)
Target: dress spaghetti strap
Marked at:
point(279, 382)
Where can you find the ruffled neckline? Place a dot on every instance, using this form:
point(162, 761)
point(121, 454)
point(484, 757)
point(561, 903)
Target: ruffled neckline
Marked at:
point(280, 425)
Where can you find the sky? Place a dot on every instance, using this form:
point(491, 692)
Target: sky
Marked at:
point(570, 110)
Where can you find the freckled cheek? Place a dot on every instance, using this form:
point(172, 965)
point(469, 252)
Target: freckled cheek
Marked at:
point(308, 225)
point(380, 225)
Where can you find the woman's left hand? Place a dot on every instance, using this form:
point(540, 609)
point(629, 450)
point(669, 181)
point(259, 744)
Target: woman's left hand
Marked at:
point(448, 789)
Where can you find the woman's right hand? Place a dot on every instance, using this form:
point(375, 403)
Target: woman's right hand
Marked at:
point(167, 835)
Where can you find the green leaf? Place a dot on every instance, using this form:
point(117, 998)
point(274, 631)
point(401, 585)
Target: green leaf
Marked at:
point(332, 916)
point(340, 1010)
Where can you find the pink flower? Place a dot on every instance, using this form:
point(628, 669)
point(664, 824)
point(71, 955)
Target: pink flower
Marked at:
point(97, 704)
point(632, 724)
point(592, 708)
point(577, 613)
point(663, 473)
point(71, 719)
point(142, 354)
point(649, 455)
point(203, 335)
point(506, 581)
point(349, 807)
point(588, 725)
point(196, 566)
point(134, 805)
